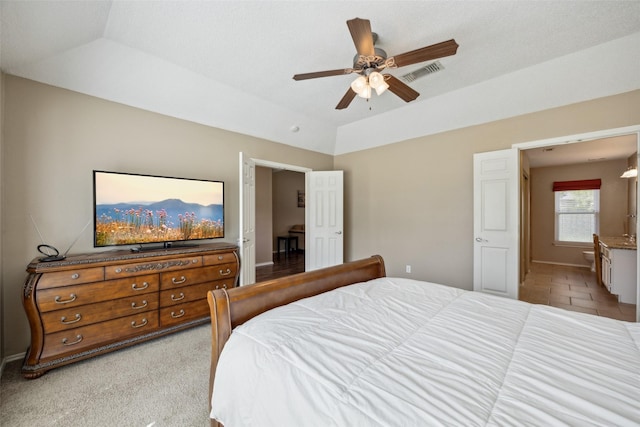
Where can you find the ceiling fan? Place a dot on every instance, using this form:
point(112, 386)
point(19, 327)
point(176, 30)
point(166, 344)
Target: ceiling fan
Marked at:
point(370, 61)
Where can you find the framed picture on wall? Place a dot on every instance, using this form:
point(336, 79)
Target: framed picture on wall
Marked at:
point(300, 199)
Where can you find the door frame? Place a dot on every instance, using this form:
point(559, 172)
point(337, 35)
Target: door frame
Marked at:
point(588, 136)
point(272, 165)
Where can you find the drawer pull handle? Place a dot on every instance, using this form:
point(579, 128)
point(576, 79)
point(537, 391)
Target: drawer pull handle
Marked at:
point(135, 287)
point(176, 316)
point(220, 257)
point(64, 320)
point(72, 297)
point(138, 307)
point(225, 273)
point(144, 322)
point(75, 275)
point(182, 279)
point(178, 298)
point(66, 341)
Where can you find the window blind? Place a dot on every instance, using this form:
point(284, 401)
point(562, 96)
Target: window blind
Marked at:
point(585, 184)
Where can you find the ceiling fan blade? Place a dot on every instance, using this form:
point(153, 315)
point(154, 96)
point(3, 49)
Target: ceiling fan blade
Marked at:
point(327, 73)
point(399, 88)
point(346, 100)
point(439, 50)
point(360, 30)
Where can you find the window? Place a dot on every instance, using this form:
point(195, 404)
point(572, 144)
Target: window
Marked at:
point(577, 215)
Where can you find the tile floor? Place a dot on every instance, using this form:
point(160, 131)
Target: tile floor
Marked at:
point(572, 288)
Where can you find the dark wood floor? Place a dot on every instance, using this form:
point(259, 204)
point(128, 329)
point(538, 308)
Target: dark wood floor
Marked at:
point(284, 266)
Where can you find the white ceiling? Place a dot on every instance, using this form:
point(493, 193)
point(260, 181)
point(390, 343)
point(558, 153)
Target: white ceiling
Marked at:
point(597, 150)
point(229, 64)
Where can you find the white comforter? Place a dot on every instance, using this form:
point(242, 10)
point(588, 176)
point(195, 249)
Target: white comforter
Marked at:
point(399, 352)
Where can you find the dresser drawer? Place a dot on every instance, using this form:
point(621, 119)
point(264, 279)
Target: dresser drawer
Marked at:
point(69, 318)
point(77, 339)
point(191, 293)
point(136, 269)
point(224, 258)
point(184, 312)
point(70, 277)
point(197, 275)
point(73, 296)
point(98, 302)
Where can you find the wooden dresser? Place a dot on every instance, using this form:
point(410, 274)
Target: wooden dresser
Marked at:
point(90, 304)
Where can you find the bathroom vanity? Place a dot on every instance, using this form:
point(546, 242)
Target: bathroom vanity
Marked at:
point(619, 268)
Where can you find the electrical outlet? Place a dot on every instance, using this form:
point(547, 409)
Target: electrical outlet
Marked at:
point(408, 268)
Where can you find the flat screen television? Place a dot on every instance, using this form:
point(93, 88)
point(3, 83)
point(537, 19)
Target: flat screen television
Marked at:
point(134, 209)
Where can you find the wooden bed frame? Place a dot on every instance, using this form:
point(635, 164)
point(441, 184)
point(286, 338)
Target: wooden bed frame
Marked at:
point(230, 308)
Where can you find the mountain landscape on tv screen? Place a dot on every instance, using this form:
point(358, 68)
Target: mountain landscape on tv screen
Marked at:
point(168, 220)
point(173, 208)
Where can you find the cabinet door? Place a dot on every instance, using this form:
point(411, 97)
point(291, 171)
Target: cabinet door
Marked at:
point(606, 273)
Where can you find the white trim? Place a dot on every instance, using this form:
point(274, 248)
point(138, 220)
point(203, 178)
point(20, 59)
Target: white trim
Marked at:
point(264, 264)
point(276, 165)
point(572, 244)
point(560, 263)
point(10, 359)
point(580, 137)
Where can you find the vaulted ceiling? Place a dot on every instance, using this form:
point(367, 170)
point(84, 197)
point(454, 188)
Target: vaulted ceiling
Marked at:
point(229, 64)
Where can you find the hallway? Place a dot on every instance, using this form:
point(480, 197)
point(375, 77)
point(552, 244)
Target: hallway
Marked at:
point(282, 266)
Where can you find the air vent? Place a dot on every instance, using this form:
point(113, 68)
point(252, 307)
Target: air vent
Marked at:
point(421, 72)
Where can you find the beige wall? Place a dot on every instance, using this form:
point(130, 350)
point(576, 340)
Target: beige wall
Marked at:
point(264, 216)
point(613, 207)
point(412, 202)
point(286, 212)
point(54, 138)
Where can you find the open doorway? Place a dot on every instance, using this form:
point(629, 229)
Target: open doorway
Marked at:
point(280, 222)
point(603, 155)
point(324, 218)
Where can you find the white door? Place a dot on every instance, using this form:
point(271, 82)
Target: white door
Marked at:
point(324, 229)
point(495, 223)
point(247, 239)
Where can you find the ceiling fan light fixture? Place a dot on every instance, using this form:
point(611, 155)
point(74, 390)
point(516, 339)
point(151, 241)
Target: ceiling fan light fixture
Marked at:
point(359, 85)
point(381, 88)
point(363, 84)
point(376, 79)
point(366, 92)
point(369, 60)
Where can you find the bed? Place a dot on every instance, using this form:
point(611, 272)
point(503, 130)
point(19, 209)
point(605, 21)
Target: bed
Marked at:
point(348, 346)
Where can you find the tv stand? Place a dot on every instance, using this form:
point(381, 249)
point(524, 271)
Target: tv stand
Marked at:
point(95, 303)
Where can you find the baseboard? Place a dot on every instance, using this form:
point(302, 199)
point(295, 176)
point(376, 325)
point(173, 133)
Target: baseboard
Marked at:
point(560, 263)
point(9, 359)
point(263, 264)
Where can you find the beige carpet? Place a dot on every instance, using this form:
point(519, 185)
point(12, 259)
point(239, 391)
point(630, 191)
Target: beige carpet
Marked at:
point(164, 382)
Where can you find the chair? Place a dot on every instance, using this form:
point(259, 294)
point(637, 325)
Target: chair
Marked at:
point(597, 256)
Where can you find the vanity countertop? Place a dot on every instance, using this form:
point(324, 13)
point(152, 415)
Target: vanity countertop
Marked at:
point(618, 243)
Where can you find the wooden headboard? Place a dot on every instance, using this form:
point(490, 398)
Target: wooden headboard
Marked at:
point(230, 308)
